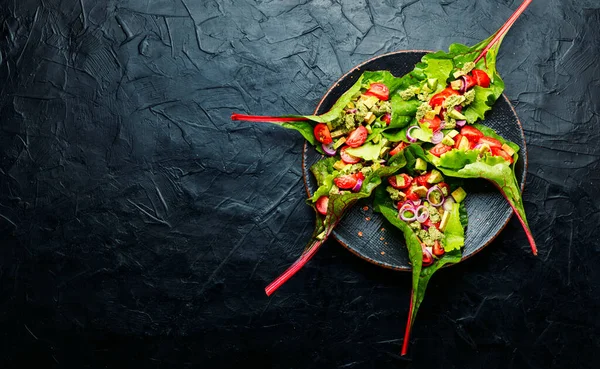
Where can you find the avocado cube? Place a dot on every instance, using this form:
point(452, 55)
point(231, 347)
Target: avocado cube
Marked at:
point(400, 182)
point(459, 194)
point(432, 83)
point(456, 115)
point(435, 177)
point(447, 140)
point(338, 133)
point(437, 109)
point(509, 150)
point(453, 133)
point(421, 191)
point(339, 143)
point(370, 101)
point(484, 148)
point(370, 117)
point(456, 85)
point(339, 165)
point(430, 114)
point(458, 74)
point(420, 164)
point(351, 105)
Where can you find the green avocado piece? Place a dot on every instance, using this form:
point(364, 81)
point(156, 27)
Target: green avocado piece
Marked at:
point(421, 191)
point(447, 140)
point(420, 164)
point(459, 194)
point(432, 83)
point(435, 177)
point(456, 115)
point(444, 221)
point(400, 182)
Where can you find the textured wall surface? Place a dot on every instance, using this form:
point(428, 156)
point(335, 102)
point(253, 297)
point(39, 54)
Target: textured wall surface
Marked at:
point(139, 225)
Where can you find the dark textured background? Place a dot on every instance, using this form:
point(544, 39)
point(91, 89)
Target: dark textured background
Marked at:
point(139, 225)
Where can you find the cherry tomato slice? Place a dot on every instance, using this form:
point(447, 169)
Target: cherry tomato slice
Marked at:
point(438, 250)
point(387, 118)
point(499, 152)
point(410, 195)
point(440, 149)
point(322, 134)
point(357, 137)
point(407, 181)
point(439, 98)
point(360, 176)
point(471, 133)
point(492, 142)
point(345, 182)
point(471, 82)
point(398, 148)
point(322, 204)
point(434, 123)
point(429, 223)
point(422, 180)
point(481, 78)
point(347, 158)
point(379, 90)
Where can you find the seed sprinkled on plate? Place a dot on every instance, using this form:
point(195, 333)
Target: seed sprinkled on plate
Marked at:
point(360, 234)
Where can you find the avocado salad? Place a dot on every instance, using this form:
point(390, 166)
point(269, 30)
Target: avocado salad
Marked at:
point(408, 141)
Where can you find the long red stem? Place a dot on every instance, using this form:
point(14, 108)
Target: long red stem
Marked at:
point(293, 269)
point(408, 326)
point(265, 118)
point(502, 31)
point(521, 220)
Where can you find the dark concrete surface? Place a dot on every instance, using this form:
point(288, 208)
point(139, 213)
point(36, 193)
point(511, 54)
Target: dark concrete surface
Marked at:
point(139, 225)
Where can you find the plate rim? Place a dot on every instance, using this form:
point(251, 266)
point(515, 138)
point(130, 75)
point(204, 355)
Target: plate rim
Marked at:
point(366, 258)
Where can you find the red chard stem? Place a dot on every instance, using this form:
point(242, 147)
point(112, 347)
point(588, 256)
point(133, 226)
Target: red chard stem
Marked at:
point(294, 268)
point(265, 118)
point(408, 325)
point(504, 29)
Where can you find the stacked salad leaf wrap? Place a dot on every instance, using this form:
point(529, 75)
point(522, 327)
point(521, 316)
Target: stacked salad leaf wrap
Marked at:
point(434, 110)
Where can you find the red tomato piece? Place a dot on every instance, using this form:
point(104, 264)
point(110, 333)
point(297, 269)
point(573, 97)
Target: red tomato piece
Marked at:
point(434, 123)
point(471, 133)
point(345, 182)
point(492, 142)
point(481, 78)
point(457, 139)
point(398, 148)
point(347, 158)
point(360, 176)
point(387, 118)
point(322, 134)
point(322, 204)
point(429, 223)
point(410, 195)
point(470, 81)
point(379, 90)
point(357, 137)
point(499, 152)
point(422, 180)
point(439, 98)
point(407, 181)
point(440, 149)
point(438, 250)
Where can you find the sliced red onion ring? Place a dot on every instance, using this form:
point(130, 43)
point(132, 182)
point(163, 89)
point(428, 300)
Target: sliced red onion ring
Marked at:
point(427, 257)
point(437, 137)
point(416, 202)
point(407, 208)
point(448, 203)
point(430, 191)
point(329, 150)
point(422, 214)
point(463, 88)
point(461, 123)
point(409, 136)
point(351, 111)
point(357, 186)
point(443, 124)
point(458, 108)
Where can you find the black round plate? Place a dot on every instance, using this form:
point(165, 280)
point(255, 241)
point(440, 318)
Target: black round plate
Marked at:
point(366, 233)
